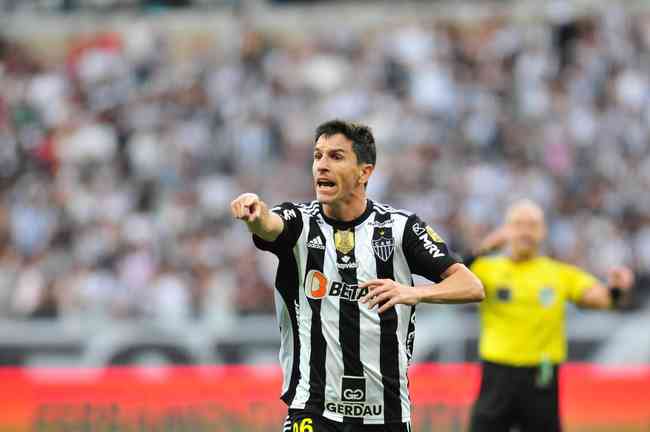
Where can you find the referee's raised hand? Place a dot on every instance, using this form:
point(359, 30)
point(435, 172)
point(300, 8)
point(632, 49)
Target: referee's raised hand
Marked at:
point(620, 282)
point(249, 208)
point(621, 277)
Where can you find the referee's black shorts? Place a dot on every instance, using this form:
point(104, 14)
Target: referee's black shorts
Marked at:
point(302, 421)
point(515, 396)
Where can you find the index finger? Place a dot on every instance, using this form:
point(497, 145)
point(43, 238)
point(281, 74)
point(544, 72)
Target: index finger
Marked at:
point(387, 305)
point(249, 199)
point(371, 282)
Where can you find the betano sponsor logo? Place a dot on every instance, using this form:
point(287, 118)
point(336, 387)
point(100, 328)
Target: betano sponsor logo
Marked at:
point(355, 409)
point(317, 286)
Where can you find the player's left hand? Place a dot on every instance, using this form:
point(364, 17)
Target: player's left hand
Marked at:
point(621, 277)
point(387, 293)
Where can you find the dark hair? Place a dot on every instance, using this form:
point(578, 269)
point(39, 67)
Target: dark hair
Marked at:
point(363, 142)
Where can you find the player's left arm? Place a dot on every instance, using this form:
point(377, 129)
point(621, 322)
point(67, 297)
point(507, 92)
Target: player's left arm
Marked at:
point(427, 255)
point(459, 285)
point(598, 296)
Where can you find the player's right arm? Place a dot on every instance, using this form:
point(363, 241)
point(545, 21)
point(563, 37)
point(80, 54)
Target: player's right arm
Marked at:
point(260, 221)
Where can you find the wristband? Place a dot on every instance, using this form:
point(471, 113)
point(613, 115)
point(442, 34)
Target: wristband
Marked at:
point(468, 260)
point(615, 295)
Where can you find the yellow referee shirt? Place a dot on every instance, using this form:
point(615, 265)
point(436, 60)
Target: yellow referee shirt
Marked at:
point(523, 314)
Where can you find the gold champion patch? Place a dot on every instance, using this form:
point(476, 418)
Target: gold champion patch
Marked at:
point(344, 241)
point(434, 235)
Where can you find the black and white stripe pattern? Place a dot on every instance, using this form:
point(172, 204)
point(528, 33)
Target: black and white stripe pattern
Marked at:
point(316, 343)
point(349, 334)
point(286, 427)
point(388, 325)
point(340, 359)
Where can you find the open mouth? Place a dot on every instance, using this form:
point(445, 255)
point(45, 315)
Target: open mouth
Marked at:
point(325, 185)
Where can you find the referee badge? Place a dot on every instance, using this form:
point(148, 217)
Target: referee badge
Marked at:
point(547, 296)
point(344, 241)
point(383, 247)
point(504, 294)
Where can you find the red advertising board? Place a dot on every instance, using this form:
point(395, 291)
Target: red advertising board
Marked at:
point(243, 398)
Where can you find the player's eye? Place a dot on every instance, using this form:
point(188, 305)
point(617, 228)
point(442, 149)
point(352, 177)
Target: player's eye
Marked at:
point(317, 156)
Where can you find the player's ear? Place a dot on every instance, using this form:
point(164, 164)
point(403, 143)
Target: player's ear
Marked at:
point(366, 172)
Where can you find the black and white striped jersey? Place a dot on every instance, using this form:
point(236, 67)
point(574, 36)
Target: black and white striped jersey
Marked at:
point(339, 358)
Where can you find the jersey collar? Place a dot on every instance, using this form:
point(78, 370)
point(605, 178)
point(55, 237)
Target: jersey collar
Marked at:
point(347, 224)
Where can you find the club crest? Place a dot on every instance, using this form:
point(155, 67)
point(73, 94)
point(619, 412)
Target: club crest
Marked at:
point(383, 247)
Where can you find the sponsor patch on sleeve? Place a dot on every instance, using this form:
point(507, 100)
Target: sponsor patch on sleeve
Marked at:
point(434, 235)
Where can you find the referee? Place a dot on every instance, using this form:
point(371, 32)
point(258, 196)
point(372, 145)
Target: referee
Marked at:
point(523, 323)
point(345, 362)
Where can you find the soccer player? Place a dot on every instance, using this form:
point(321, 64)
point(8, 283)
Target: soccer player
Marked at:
point(345, 362)
point(523, 323)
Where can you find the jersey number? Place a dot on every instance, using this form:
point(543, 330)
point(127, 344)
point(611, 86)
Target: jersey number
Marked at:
point(305, 426)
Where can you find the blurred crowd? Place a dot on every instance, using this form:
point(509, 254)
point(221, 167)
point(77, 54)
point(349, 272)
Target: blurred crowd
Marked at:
point(118, 163)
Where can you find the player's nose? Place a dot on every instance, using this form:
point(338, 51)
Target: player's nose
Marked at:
point(322, 165)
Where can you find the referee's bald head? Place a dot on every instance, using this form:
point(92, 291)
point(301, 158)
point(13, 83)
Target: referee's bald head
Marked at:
point(525, 207)
point(526, 228)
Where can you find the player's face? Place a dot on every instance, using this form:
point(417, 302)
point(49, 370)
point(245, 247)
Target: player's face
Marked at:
point(338, 177)
point(526, 230)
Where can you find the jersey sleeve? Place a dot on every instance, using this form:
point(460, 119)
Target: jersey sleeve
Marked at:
point(426, 252)
point(576, 282)
point(291, 231)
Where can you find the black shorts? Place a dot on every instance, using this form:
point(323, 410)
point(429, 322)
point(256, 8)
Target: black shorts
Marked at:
point(302, 421)
point(526, 397)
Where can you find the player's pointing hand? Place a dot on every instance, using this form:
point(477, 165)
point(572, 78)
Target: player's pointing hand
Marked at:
point(247, 207)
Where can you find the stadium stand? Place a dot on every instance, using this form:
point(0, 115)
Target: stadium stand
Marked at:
point(120, 150)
